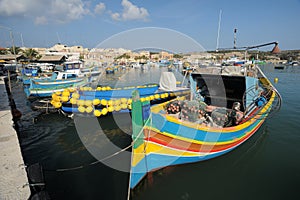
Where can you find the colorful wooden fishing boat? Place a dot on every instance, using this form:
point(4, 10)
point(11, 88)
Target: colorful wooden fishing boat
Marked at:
point(58, 82)
point(106, 99)
point(162, 139)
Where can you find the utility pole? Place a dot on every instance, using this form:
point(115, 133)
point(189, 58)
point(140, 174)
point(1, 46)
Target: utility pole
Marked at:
point(234, 39)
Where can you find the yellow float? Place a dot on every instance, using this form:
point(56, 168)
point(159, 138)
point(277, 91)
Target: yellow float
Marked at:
point(73, 101)
point(104, 102)
point(104, 111)
point(123, 100)
point(89, 109)
point(64, 98)
point(88, 102)
point(123, 106)
point(80, 102)
point(57, 104)
point(81, 109)
point(110, 109)
point(97, 113)
point(96, 102)
point(117, 108)
point(75, 95)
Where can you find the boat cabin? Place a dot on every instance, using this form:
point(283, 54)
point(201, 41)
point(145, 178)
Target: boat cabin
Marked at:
point(224, 86)
point(63, 75)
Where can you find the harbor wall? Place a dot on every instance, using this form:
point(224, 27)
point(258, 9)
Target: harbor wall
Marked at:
point(13, 181)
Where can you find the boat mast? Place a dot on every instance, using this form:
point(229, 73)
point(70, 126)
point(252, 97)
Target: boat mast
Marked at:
point(219, 27)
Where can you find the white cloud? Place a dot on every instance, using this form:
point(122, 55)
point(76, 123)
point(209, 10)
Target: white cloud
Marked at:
point(99, 9)
point(41, 20)
point(115, 16)
point(16, 7)
point(131, 12)
point(46, 10)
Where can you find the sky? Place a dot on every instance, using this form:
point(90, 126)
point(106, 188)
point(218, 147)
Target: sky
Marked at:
point(91, 23)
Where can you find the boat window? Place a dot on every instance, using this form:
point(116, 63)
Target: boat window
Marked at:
point(71, 76)
point(76, 66)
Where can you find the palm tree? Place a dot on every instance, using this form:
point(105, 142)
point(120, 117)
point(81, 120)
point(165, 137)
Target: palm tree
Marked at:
point(15, 50)
point(31, 54)
point(3, 51)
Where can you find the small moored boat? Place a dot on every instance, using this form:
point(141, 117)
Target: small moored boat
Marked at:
point(57, 82)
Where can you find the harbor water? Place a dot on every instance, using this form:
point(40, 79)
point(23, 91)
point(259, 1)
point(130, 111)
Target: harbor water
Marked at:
point(267, 166)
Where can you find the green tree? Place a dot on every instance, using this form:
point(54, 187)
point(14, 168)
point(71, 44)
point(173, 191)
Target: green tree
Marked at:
point(123, 56)
point(31, 54)
point(177, 56)
point(3, 51)
point(15, 50)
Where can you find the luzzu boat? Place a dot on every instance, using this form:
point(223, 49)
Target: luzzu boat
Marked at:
point(57, 83)
point(183, 131)
point(103, 100)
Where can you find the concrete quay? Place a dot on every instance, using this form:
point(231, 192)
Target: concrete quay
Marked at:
point(13, 175)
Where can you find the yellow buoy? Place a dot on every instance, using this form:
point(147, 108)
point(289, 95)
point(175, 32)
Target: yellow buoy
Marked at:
point(104, 111)
point(96, 102)
point(88, 102)
point(75, 95)
point(123, 100)
point(166, 95)
point(98, 88)
point(57, 105)
point(108, 88)
point(123, 106)
point(129, 106)
point(117, 102)
point(58, 93)
point(152, 97)
point(117, 108)
point(156, 96)
point(129, 101)
point(276, 80)
point(162, 96)
point(104, 102)
point(64, 98)
point(81, 109)
point(89, 109)
point(65, 93)
point(97, 113)
point(110, 102)
point(110, 109)
point(142, 99)
point(73, 101)
point(57, 98)
point(53, 96)
point(80, 102)
point(147, 98)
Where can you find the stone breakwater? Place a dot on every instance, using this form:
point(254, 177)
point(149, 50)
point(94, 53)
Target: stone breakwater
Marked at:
point(12, 170)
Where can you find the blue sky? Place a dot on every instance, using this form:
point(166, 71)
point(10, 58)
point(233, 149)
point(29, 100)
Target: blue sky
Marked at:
point(43, 23)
